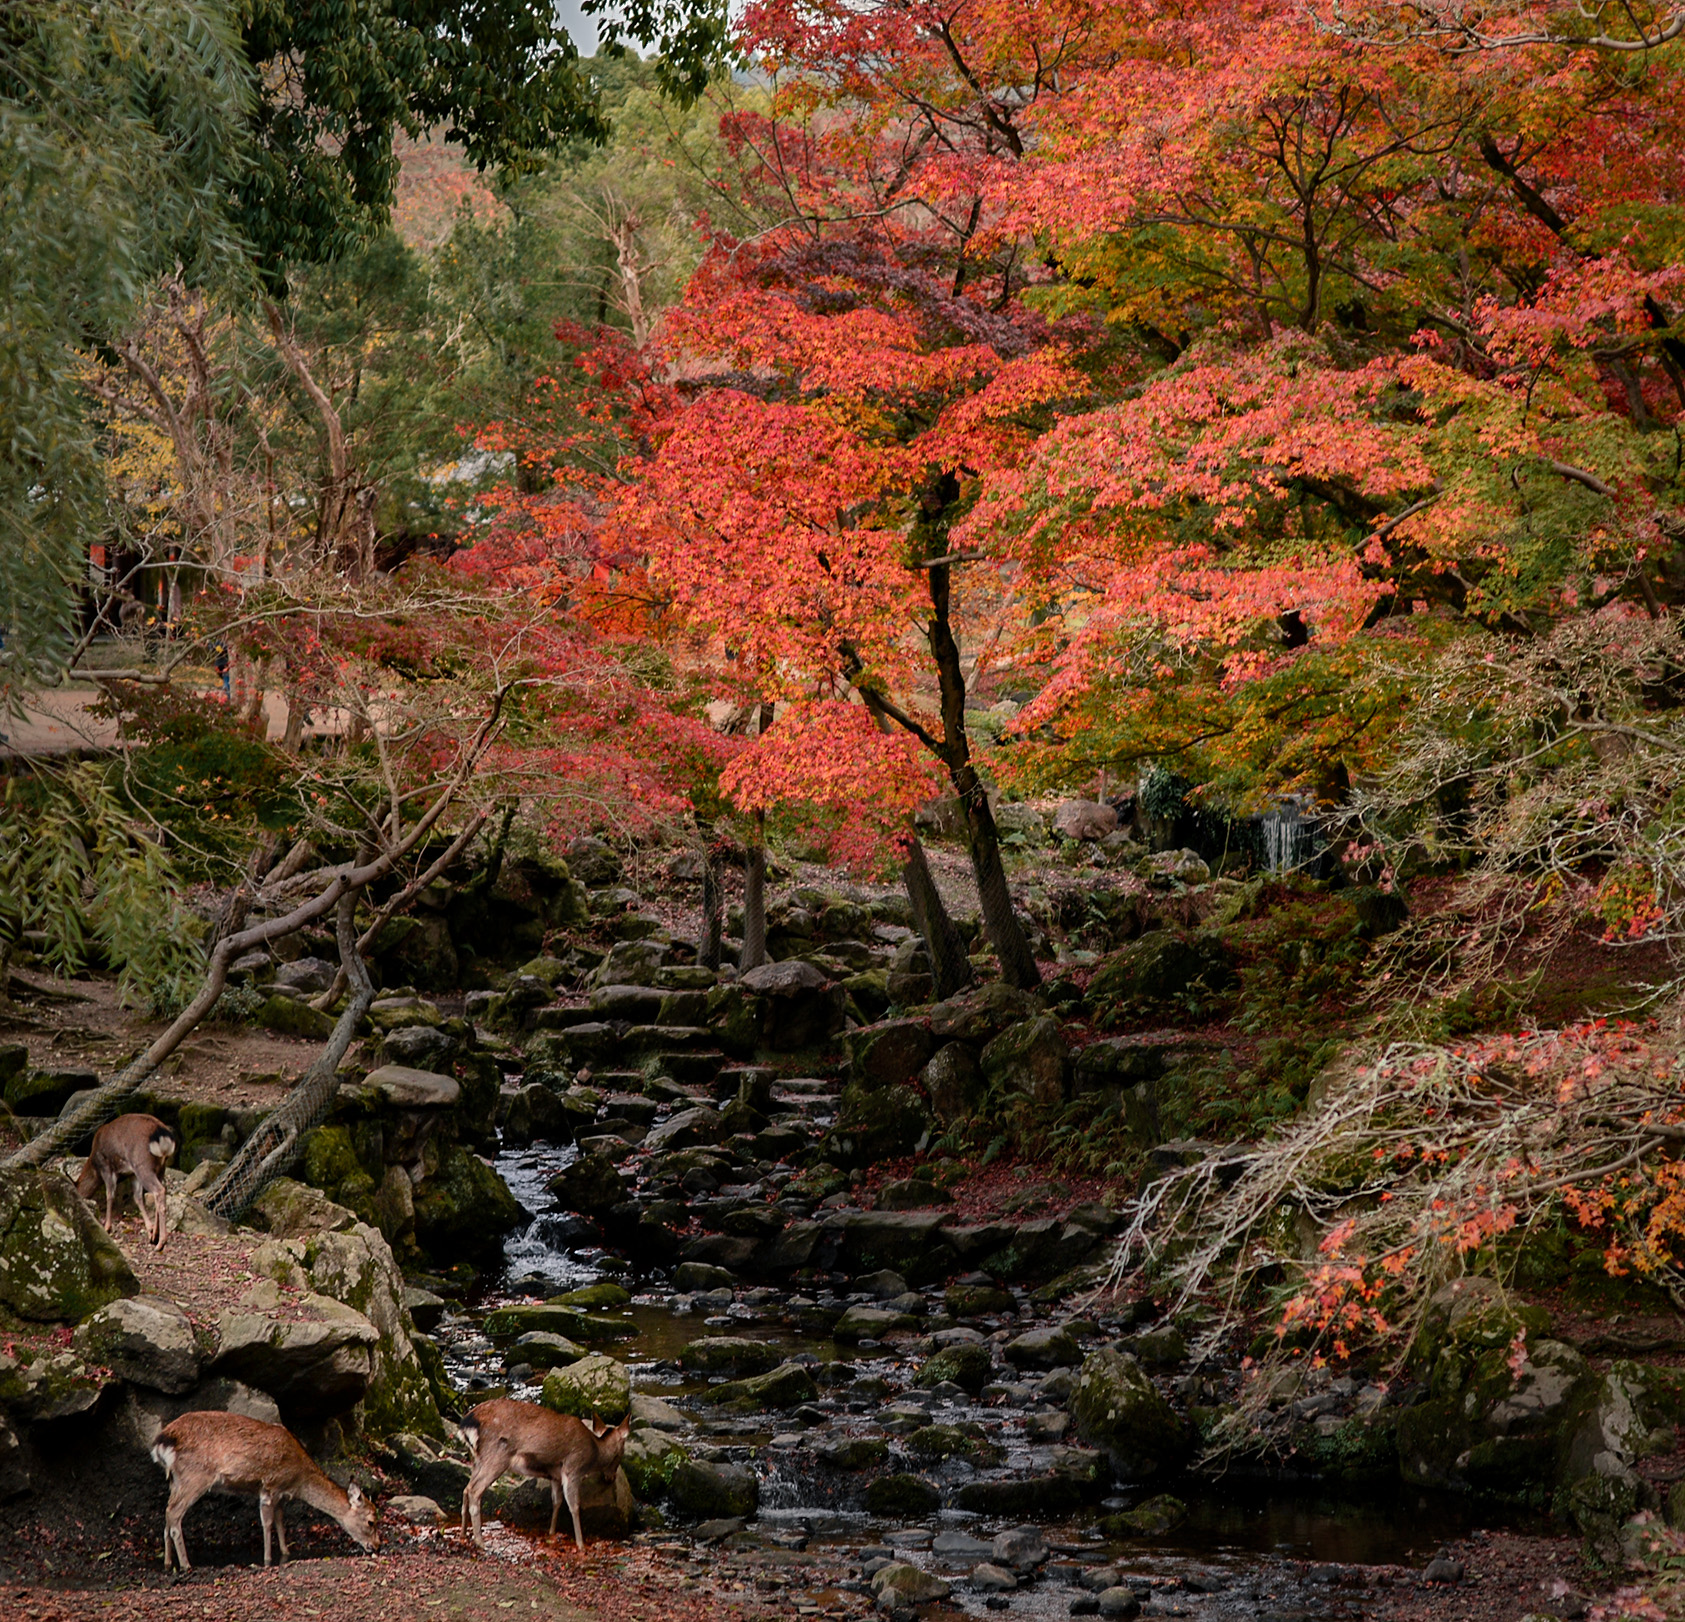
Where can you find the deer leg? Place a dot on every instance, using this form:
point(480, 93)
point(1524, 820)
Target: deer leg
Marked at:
point(281, 1530)
point(266, 1514)
point(570, 1487)
point(110, 1198)
point(487, 1468)
point(158, 1209)
point(181, 1500)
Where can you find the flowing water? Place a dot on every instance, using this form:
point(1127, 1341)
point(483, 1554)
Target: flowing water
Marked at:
point(1242, 1541)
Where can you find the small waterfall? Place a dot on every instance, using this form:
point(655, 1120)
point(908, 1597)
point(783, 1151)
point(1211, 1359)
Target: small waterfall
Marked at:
point(1288, 836)
point(545, 1249)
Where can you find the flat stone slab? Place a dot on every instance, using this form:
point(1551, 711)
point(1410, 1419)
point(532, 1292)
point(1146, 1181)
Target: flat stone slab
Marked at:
point(414, 1089)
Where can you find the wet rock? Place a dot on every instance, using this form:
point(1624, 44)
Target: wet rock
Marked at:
point(970, 1367)
point(464, 1210)
point(978, 1300)
point(729, 1354)
point(1118, 1602)
point(1117, 1409)
point(595, 1387)
point(787, 1386)
point(688, 1129)
point(590, 1185)
point(537, 1114)
point(542, 1349)
point(1022, 1549)
point(692, 1276)
point(870, 1323)
point(1151, 1519)
point(1044, 1348)
point(144, 1339)
point(56, 1261)
point(966, 1441)
point(902, 1497)
point(855, 1453)
point(1051, 1494)
point(711, 1491)
point(992, 1579)
point(1030, 1060)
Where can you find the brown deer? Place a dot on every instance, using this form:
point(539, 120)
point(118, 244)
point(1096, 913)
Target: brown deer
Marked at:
point(137, 1145)
point(533, 1441)
point(217, 1452)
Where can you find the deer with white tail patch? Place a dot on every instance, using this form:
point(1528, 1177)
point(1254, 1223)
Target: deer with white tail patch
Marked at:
point(218, 1452)
point(140, 1146)
point(533, 1441)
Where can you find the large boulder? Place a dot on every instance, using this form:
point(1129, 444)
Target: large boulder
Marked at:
point(56, 1261)
point(144, 1339)
point(1119, 1410)
point(1492, 1419)
point(1031, 1060)
point(595, 1387)
point(688, 1129)
point(954, 1083)
point(312, 1354)
point(912, 1243)
point(631, 963)
point(888, 1054)
point(715, 1491)
point(968, 1364)
point(877, 1124)
point(318, 1247)
point(787, 1386)
point(1164, 966)
point(982, 1013)
point(591, 1185)
point(464, 1210)
point(799, 1005)
point(1084, 819)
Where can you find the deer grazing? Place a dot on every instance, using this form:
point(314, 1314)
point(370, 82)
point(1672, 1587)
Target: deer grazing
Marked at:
point(212, 1452)
point(532, 1441)
point(133, 1145)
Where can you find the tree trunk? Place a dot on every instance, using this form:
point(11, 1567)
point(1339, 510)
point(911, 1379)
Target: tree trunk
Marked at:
point(949, 966)
point(754, 899)
point(713, 904)
point(273, 1147)
point(1000, 922)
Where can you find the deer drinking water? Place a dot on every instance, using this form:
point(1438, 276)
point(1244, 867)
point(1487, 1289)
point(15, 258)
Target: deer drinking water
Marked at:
point(133, 1145)
point(533, 1441)
point(217, 1452)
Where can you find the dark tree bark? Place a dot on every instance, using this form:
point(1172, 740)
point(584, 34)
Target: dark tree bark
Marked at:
point(754, 877)
point(1000, 922)
point(950, 968)
point(713, 910)
point(754, 899)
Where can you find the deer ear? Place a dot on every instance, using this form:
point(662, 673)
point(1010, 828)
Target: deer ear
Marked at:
point(355, 1494)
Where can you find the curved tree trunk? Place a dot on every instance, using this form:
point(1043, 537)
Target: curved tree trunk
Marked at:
point(274, 1146)
point(1000, 922)
point(950, 968)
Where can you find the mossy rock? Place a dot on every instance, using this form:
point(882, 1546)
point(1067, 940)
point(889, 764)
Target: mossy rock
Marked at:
point(971, 1367)
point(787, 1386)
point(557, 1320)
point(877, 1124)
point(464, 1210)
point(902, 1498)
point(965, 1441)
point(650, 1461)
point(286, 1016)
point(56, 1262)
point(1361, 1452)
point(729, 1354)
point(1149, 1520)
point(1118, 1410)
point(596, 1387)
point(978, 1300)
point(594, 1298)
